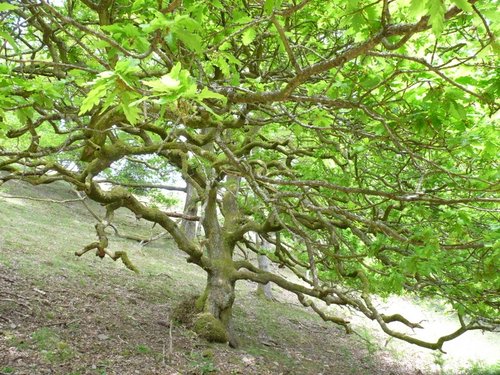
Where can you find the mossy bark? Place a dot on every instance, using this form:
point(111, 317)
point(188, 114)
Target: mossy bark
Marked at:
point(210, 328)
point(219, 294)
point(218, 301)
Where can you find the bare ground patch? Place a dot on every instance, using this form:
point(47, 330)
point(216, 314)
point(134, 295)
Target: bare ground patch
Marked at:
point(91, 326)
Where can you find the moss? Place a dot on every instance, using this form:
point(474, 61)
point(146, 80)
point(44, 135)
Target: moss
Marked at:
point(207, 353)
point(185, 311)
point(200, 301)
point(126, 261)
point(209, 328)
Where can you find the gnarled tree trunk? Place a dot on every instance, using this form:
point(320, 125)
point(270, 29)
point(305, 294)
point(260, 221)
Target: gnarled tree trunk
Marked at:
point(219, 294)
point(218, 299)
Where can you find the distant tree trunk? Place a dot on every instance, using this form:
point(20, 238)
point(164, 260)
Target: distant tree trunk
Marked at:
point(264, 262)
point(190, 209)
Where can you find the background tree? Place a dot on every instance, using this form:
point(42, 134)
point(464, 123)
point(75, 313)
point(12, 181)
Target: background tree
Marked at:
point(357, 137)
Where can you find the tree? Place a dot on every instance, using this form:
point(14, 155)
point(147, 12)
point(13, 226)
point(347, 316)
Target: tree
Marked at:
point(264, 290)
point(357, 137)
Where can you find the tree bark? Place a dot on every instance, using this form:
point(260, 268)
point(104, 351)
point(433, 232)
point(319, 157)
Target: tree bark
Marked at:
point(219, 298)
point(264, 290)
point(190, 209)
point(219, 294)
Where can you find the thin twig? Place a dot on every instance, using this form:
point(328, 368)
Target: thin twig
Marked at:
point(82, 198)
point(61, 323)
point(170, 342)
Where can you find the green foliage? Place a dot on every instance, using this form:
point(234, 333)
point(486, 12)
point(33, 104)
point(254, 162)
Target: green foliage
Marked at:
point(115, 85)
point(248, 36)
point(6, 6)
point(271, 5)
point(479, 368)
point(160, 198)
point(463, 4)
point(436, 9)
point(178, 84)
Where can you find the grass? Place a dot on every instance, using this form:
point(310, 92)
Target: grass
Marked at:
point(201, 363)
point(51, 346)
point(370, 340)
point(143, 349)
point(480, 368)
point(15, 341)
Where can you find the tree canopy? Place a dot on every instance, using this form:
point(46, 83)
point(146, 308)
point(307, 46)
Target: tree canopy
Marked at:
point(357, 137)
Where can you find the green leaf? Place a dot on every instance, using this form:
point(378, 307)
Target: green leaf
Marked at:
point(191, 40)
point(165, 84)
point(138, 4)
point(207, 94)
point(436, 9)
point(454, 112)
point(248, 36)
point(463, 4)
point(93, 98)
point(269, 6)
point(9, 39)
point(187, 23)
point(176, 70)
point(114, 28)
point(127, 66)
point(410, 265)
point(160, 22)
point(417, 8)
point(6, 6)
point(490, 149)
point(223, 66)
point(131, 112)
point(466, 80)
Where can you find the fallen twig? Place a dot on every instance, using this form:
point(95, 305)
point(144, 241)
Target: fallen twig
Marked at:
point(40, 291)
point(62, 323)
point(170, 342)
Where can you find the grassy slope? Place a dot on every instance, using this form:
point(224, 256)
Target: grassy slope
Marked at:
point(67, 315)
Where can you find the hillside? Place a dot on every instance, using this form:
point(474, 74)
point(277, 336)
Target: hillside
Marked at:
point(60, 314)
